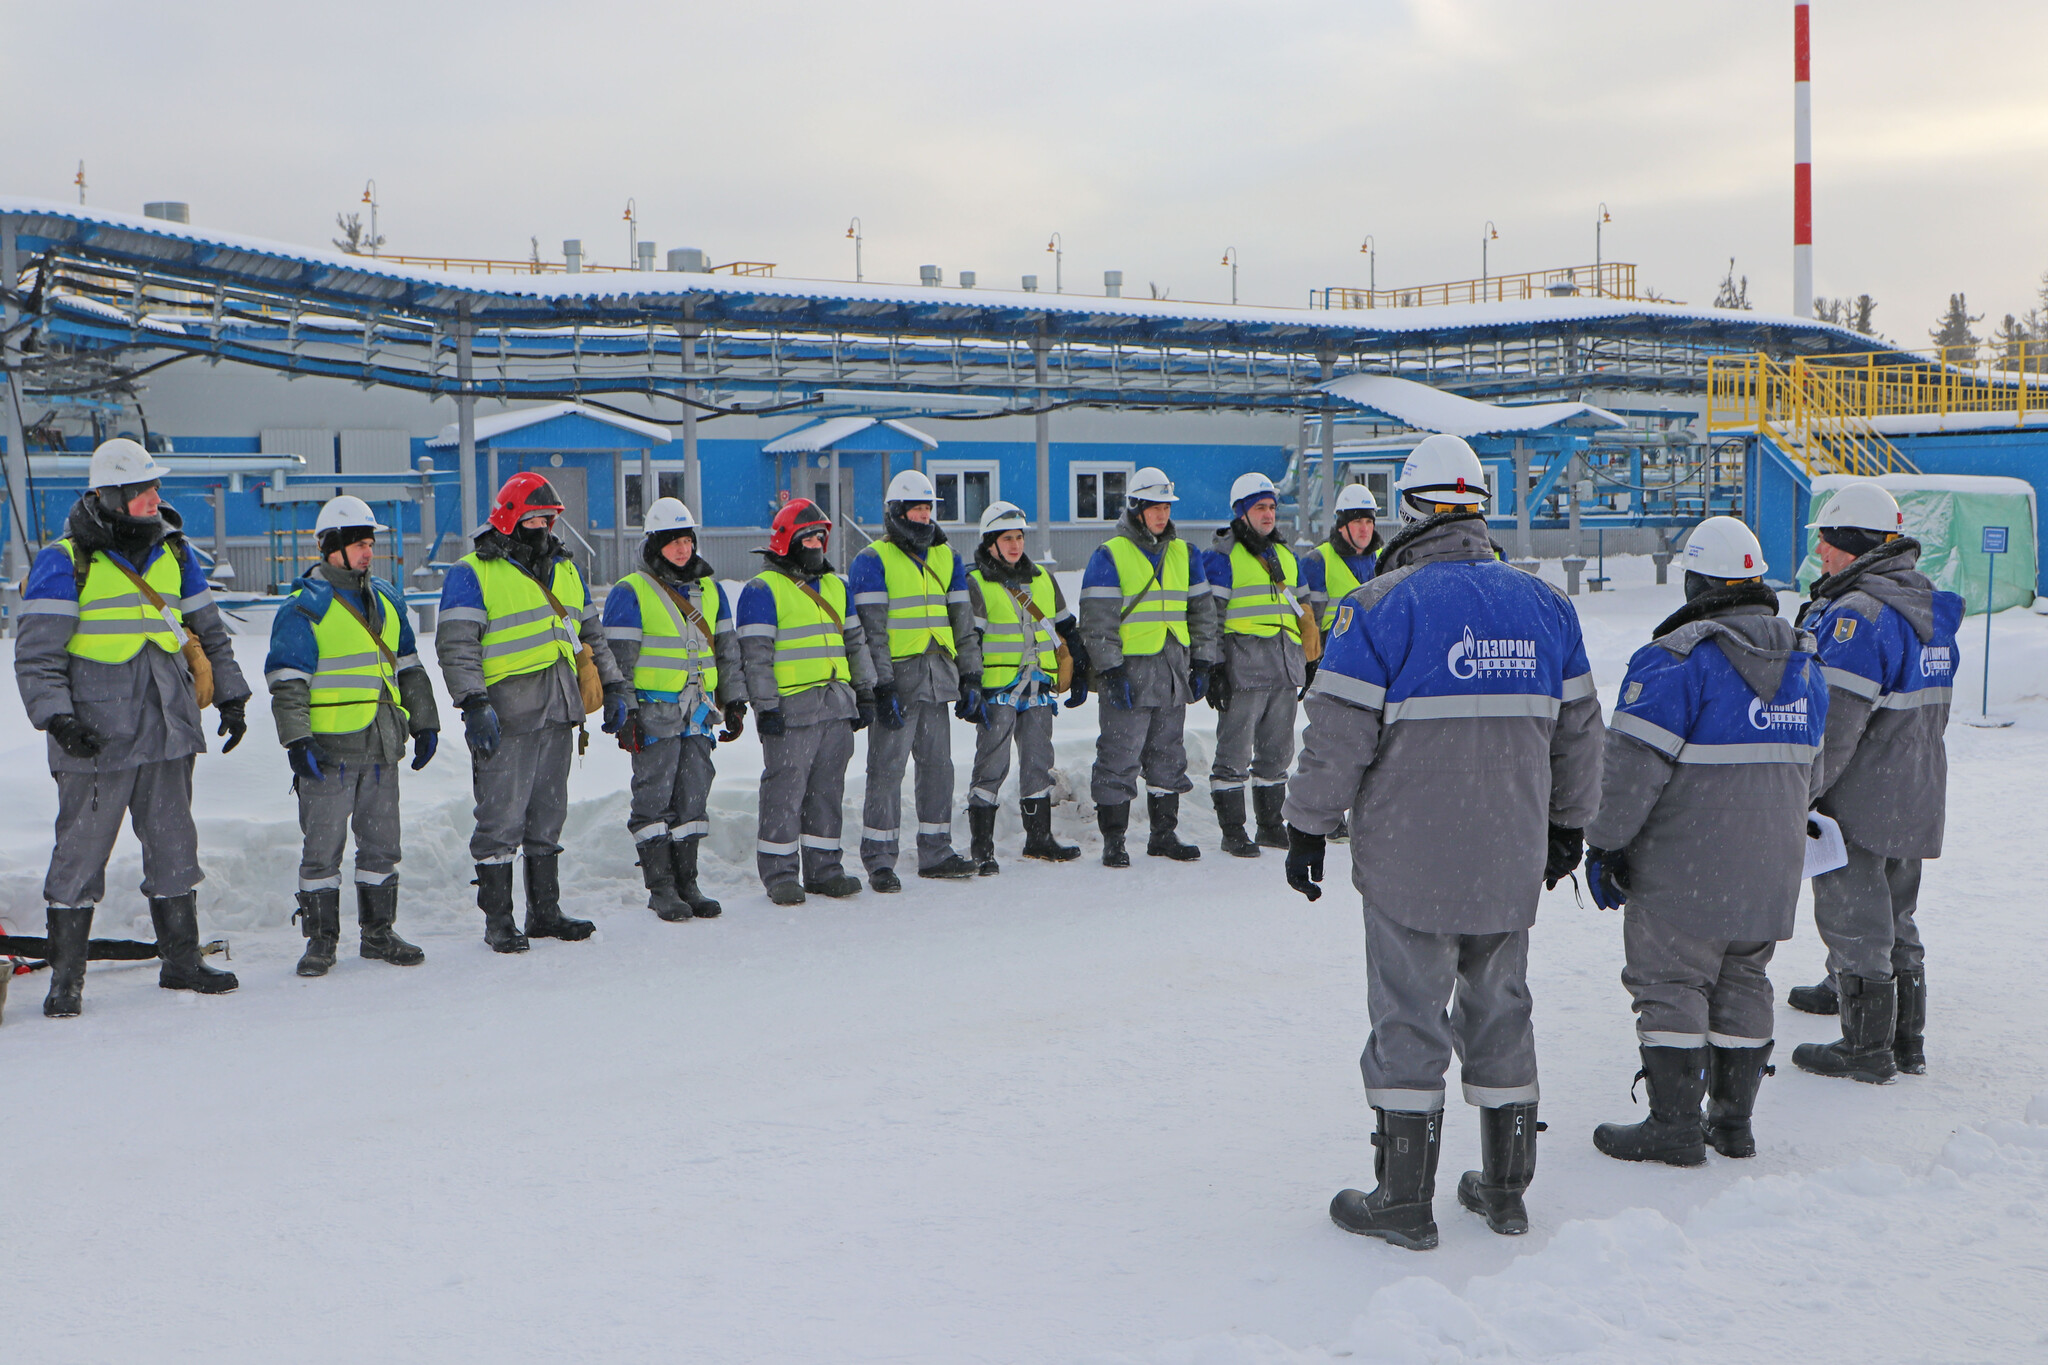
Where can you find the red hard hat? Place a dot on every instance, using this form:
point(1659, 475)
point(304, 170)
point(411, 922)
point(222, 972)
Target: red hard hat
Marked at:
point(793, 522)
point(524, 495)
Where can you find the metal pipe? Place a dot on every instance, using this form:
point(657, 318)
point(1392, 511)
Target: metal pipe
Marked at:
point(693, 474)
point(1524, 545)
point(465, 416)
point(1802, 164)
point(1042, 431)
point(1325, 517)
point(10, 400)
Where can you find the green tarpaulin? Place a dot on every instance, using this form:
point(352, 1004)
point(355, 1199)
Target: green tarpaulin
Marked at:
point(1947, 514)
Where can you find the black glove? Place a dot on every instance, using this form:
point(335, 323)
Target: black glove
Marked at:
point(771, 724)
point(234, 723)
point(1607, 871)
point(864, 712)
point(885, 707)
point(1198, 678)
point(74, 736)
point(1116, 687)
point(308, 759)
point(480, 725)
point(735, 722)
point(1308, 680)
point(1078, 653)
point(424, 743)
point(1565, 847)
point(1220, 689)
point(1079, 692)
point(618, 705)
point(970, 706)
point(628, 731)
point(1305, 862)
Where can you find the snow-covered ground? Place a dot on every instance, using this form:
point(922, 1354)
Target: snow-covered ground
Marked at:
point(1065, 1114)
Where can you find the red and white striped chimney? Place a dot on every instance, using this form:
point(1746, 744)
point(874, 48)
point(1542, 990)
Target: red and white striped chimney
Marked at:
point(1802, 165)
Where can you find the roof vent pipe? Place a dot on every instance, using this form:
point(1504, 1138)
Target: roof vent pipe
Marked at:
point(646, 255)
point(1112, 284)
point(967, 279)
point(930, 275)
point(689, 258)
point(170, 210)
point(1031, 284)
point(572, 252)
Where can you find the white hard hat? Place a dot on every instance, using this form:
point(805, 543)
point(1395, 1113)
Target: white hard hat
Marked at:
point(911, 486)
point(1149, 484)
point(1356, 497)
point(344, 511)
point(1442, 469)
point(1866, 506)
point(1722, 547)
point(669, 514)
point(1253, 485)
point(122, 461)
point(1003, 516)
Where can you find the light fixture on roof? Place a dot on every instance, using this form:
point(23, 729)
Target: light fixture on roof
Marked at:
point(1372, 282)
point(1598, 286)
point(632, 230)
point(853, 231)
point(370, 198)
point(1491, 234)
point(1058, 248)
point(1230, 259)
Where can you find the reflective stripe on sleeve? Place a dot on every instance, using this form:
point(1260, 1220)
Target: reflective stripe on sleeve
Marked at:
point(1656, 736)
point(1344, 687)
point(1855, 684)
point(1472, 706)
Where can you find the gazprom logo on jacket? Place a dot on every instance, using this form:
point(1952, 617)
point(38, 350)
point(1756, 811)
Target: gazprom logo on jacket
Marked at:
point(1937, 661)
point(1792, 715)
point(1473, 658)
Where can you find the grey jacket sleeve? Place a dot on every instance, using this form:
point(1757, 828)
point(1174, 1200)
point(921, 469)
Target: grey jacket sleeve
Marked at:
point(1338, 746)
point(214, 637)
point(757, 660)
point(415, 694)
point(42, 666)
point(625, 650)
point(732, 671)
point(966, 632)
point(857, 654)
point(291, 707)
point(1632, 777)
point(591, 630)
point(1205, 624)
point(1101, 629)
point(1848, 715)
point(1060, 610)
point(1575, 756)
point(459, 648)
point(873, 624)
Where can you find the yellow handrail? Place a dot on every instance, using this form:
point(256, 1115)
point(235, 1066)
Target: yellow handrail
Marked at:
point(1809, 406)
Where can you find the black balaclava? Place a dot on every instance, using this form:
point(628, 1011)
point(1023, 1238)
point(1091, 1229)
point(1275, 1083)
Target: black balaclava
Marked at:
point(1852, 540)
point(532, 547)
point(808, 555)
point(130, 537)
point(909, 534)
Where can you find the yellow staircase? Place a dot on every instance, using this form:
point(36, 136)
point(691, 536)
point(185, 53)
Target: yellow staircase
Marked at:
point(1818, 411)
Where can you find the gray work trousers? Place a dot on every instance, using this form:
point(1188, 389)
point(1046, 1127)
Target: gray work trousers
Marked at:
point(1254, 740)
point(925, 735)
point(671, 783)
point(1411, 978)
point(1864, 912)
point(1143, 739)
point(156, 798)
point(803, 781)
point(1689, 992)
point(1032, 731)
point(522, 795)
point(362, 794)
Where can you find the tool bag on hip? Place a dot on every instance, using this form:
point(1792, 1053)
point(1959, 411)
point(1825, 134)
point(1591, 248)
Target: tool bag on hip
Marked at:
point(588, 684)
point(189, 646)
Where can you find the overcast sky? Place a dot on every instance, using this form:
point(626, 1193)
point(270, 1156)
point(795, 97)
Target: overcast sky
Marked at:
point(1151, 136)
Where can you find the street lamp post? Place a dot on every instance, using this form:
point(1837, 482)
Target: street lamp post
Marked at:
point(853, 231)
point(1372, 278)
point(1599, 283)
point(1058, 247)
point(1491, 234)
point(369, 197)
point(632, 217)
point(1230, 259)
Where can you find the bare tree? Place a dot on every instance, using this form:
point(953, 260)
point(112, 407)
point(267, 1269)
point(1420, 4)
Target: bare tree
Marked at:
point(1955, 331)
point(1160, 291)
point(352, 240)
point(1732, 294)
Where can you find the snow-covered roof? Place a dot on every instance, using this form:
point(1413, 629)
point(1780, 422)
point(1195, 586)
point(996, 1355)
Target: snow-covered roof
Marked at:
point(499, 423)
point(1428, 409)
point(832, 431)
point(1937, 423)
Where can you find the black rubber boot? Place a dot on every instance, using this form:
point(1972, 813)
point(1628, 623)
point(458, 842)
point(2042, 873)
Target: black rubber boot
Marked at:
point(1401, 1209)
point(1266, 804)
point(376, 914)
point(1230, 820)
point(494, 898)
point(658, 875)
point(544, 917)
point(1038, 840)
point(70, 927)
point(954, 868)
point(1113, 821)
point(838, 886)
point(1819, 999)
point(1507, 1156)
point(1341, 834)
point(1673, 1134)
point(682, 855)
point(1909, 1041)
point(177, 943)
point(1733, 1075)
point(1164, 813)
point(883, 881)
point(1869, 1022)
point(319, 919)
point(786, 893)
point(981, 835)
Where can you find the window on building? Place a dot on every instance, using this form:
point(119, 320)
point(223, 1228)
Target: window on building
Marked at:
point(667, 485)
point(1095, 492)
point(965, 489)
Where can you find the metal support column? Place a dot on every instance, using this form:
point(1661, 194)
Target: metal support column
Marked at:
point(465, 418)
point(18, 493)
point(1326, 514)
point(1575, 562)
point(832, 487)
point(1042, 424)
point(1525, 552)
point(693, 474)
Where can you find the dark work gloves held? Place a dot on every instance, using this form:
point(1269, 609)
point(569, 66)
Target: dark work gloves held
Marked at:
point(864, 712)
point(1308, 680)
point(618, 704)
point(74, 736)
point(1563, 856)
point(1116, 687)
point(480, 725)
point(735, 722)
point(1304, 862)
point(424, 743)
point(1198, 678)
point(1220, 688)
point(1607, 871)
point(234, 723)
point(308, 759)
point(771, 724)
point(970, 707)
point(886, 707)
point(628, 730)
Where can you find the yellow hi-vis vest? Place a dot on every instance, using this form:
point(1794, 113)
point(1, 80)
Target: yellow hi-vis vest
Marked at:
point(1163, 610)
point(522, 633)
point(1257, 605)
point(115, 620)
point(917, 599)
point(352, 676)
point(810, 647)
point(672, 650)
point(1338, 581)
point(1011, 630)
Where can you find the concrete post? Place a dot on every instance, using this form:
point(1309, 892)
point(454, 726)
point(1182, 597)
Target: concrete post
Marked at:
point(1525, 545)
point(1575, 562)
point(465, 417)
point(1326, 515)
point(17, 441)
point(1042, 425)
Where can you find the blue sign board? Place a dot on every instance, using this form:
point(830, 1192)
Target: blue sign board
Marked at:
point(1994, 540)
